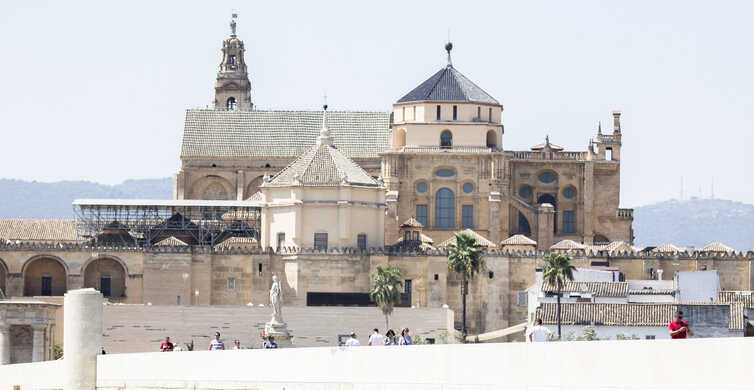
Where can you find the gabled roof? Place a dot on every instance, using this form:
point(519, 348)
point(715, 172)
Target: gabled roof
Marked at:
point(412, 223)
point(238, 242)
point(480, 240)
point(518, 239)
point(567, 245)
point(37, 230)
point(667, 248)
point(276, 134)
point(171, 241)
point(717, 247)
point(448, 85)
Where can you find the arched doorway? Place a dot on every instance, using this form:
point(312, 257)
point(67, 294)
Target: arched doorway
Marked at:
point(523, 225)
point(107, 276)
point(549, 198)
point(445, 209)
point(45, 276)
point(492, 139)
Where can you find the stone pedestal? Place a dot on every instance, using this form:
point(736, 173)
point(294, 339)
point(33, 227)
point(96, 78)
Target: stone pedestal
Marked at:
point(280, 332)
point(4, 344)
point(83, 318)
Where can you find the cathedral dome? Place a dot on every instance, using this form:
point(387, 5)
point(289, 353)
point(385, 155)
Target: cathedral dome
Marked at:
point(448, 85)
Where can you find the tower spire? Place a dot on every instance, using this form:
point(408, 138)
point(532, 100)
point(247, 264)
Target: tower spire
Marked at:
point(324, 133)
point(232, 86)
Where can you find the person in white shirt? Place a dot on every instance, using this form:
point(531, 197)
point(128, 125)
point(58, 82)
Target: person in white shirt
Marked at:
point(216, 344)
point(539, 333)
point(352, 341)
point(376, 339)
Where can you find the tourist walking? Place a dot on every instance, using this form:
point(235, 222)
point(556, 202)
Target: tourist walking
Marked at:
point(405, 338)
point(270, 343)
point(216, 344)
point(166, 345)
point(390, 338)
point(540, 333)
point(237, 344)
point(679, 329)
point(376, 339)
point(352, 341)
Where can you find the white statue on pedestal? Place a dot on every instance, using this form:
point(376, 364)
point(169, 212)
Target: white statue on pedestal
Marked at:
point(276, 301)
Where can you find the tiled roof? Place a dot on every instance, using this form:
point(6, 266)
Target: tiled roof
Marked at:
point(255, 196)
point(448, 85)
point(37, 230)
point(518, 239)
point(613, 247)
point(412, 223)
point(745, 297)
point(717, 247)
point(171, 241)
point(480, 240)
point(426, 241)
point(597, 289)
point(667, 248)
point(322, 165)
point(626, 314)
point(567, 245)
point(238, 134)
point(238, 242)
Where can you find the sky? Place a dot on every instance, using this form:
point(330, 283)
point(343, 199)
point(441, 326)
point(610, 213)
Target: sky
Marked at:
point(97, 90)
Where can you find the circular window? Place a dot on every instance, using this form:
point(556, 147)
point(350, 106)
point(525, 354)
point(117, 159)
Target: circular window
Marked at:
point(468, 187)
point(421, 187)
point(524, 192)
point(569, 192)
point(547, 177)
point(445, 172)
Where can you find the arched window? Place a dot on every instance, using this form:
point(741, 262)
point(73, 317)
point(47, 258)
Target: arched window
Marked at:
point(446, 139)
point(548, 198)
point(445, 209)
point(523, 225)
point(230, 104)
point(400, 139)
point(491, 139)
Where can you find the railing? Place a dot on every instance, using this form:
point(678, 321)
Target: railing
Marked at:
point(608, 139)
point(626, 213)
point(526, 155)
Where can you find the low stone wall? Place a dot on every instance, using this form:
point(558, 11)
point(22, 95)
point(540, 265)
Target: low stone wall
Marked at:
point(141, 328)
point(640, 364)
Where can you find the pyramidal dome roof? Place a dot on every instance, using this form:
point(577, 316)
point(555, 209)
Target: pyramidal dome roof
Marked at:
point(323, 165)
point(448, 85)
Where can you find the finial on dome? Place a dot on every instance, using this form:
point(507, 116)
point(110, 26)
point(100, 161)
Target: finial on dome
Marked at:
point(233, 18)
point(599, 127)
point(448, 48)
point(324, 133)
point(547, 140)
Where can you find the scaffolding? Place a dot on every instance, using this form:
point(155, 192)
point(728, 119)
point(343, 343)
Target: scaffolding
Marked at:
point(138, 222)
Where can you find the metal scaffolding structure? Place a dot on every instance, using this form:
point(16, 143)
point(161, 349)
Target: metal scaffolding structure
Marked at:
point(142, 222)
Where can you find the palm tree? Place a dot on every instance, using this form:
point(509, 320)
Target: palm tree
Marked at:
point(465, 258)
point(558, 270)
point(385, 293)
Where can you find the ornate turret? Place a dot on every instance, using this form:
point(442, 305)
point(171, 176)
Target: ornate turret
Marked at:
point(232, 87)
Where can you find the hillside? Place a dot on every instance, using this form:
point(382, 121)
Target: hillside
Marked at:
point(695, 222)
point(24, 199)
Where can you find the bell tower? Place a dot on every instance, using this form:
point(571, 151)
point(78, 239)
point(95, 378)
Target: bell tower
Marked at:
point(232, 87)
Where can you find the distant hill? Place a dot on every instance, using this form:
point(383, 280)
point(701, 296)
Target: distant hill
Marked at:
point(695, 222)
point(25, 199)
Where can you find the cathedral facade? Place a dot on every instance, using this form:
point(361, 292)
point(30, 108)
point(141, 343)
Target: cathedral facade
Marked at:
point(440, 153)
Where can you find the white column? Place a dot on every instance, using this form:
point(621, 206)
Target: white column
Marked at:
point(38, 343)
point(82, 338)
point(4, 344)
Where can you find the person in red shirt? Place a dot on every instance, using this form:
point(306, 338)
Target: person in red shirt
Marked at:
point(166, 345)
point(679, 329)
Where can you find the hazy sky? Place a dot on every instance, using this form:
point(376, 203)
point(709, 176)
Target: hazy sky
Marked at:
point(97, 90)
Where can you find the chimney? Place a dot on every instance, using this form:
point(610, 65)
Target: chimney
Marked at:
point(659, 274)
point(616, 121)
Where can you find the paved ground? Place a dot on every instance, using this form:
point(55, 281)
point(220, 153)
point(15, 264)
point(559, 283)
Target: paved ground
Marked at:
point(140, 328)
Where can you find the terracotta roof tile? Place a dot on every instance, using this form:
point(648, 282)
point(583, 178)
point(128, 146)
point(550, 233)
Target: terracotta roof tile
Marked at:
point(718, 248)
point(568, 245)
point(412, 223)
point(598, 289)
point(25, 230)
point(171, 241)
point(479, 239)
point(518, 239)
point(667, 248)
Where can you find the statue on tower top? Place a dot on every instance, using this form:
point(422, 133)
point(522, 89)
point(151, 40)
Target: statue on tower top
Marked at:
point(233, 24)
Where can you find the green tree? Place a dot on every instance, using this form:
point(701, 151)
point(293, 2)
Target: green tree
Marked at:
point(465, 258)
point(558, 270)
point(385, 293)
